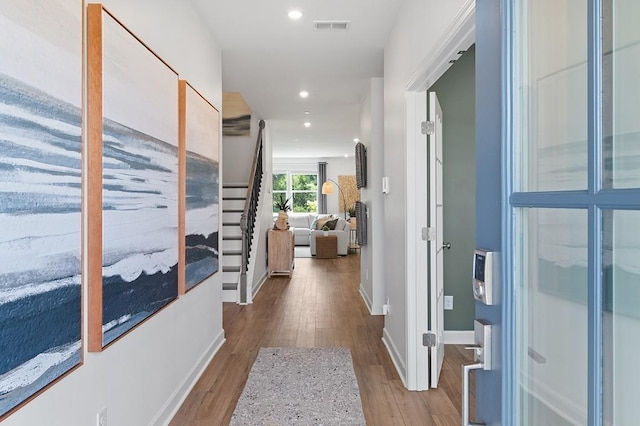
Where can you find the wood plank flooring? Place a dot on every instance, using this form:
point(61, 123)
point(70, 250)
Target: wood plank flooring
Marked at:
point(320, 306)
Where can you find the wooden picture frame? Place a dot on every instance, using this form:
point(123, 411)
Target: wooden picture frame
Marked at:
point(41, 203)
point(199, 183)
point(133, 180)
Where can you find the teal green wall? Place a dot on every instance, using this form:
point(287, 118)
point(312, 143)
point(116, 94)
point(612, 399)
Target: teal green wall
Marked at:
point(456, 93)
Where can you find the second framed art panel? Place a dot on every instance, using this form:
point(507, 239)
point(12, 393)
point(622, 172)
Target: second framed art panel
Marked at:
point(133, 182)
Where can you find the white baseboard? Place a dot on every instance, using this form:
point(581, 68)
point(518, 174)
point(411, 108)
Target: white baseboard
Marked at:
point(365, 297)
point(455, 337)
point(369, 304)
point(171, 407)
point(258, 286)
point(395, 356)
point(230, 296)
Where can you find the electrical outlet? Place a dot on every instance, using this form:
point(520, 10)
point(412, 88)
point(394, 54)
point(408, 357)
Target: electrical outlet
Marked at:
point(101, 417)
point(448, 303)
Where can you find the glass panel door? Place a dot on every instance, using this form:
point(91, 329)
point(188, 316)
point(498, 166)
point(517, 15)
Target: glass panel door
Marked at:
point(621, 68)
point(552, 94)
point(552, 311)
point(575, 134)
point(621, 317)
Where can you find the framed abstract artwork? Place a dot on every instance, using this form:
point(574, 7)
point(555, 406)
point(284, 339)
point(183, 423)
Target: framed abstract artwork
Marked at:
point(200, 156)
point(236, 115)
point(133, 180)
point(40, 196)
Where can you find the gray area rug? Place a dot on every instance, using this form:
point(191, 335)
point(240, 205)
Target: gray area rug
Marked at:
point(302, 251)
point(300, 386)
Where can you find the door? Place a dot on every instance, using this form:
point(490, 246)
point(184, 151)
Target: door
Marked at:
point(573, 191)
point(436, 240)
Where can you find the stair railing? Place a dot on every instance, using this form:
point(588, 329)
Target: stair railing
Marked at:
point(248, 217)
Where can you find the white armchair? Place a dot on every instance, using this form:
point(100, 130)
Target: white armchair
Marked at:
point(341, 231)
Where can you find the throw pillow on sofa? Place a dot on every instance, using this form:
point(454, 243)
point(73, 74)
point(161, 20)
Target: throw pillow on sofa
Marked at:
point(321, 221)
point(331, 224)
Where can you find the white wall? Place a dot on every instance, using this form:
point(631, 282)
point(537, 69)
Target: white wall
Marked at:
point(237, 155)
point(142, 377)
point(419, 26)
point(372, 263)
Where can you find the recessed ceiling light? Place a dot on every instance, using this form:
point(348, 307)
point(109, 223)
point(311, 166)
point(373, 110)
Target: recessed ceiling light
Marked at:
point(356, 140)
point(346, 156)
point(295, 15)
point(304, 94)
point(307, 124)
point(307, 112)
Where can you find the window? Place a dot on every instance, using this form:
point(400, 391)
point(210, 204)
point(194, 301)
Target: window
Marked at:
point(304, 192)
point(279, 186)
point(300, 187)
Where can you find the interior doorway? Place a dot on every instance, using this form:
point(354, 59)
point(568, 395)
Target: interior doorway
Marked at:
point(436, 70)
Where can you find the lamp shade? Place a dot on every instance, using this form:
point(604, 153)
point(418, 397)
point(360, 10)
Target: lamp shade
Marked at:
point(327, 188)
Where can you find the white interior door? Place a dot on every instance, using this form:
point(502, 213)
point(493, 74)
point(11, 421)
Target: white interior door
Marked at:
point(436, 245)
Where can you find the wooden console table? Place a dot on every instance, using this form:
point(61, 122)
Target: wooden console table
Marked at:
point(280, 252)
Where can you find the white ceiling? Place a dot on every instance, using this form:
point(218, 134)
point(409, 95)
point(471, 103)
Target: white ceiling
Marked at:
point(269, 59)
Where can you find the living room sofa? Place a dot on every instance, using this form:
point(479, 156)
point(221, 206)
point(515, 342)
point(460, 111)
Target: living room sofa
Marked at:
point(304, 235)
point(301, 224)
point(341, 231)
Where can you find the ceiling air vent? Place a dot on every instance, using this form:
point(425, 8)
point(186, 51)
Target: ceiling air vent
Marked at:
point(331, 25)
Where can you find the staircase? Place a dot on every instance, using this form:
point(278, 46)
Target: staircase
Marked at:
point(233, 201)
point(239, 213)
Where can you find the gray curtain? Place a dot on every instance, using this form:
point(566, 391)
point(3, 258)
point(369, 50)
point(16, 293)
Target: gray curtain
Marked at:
point(322, 178)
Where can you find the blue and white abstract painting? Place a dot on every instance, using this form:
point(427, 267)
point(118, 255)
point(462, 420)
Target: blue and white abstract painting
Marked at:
point(202, 186)
point(40, 195)
point(139, 182)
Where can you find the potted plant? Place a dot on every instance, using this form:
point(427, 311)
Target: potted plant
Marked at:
point(325, 230)
point(352, 212)
point(282, 204)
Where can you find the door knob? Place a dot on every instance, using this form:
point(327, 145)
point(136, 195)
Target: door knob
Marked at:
point(446, 245)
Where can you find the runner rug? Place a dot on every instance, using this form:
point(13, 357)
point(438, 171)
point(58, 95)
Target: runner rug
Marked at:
point(315, 386)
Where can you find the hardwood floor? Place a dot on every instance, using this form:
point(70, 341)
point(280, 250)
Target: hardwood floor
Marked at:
point(320, 306)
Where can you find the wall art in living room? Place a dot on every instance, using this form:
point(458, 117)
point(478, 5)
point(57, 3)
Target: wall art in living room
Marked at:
point(40, 199)
point(133, 186)
point(200, 131)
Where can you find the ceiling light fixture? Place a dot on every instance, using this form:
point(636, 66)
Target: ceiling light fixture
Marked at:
point(304, 94)
point(295, 15)
point(307, 113)
point(307, 124)
point(356, 140)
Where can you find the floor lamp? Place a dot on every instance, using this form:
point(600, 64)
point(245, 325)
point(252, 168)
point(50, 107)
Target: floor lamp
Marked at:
point(327, 188)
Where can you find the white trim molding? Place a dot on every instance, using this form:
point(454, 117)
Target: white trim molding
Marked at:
point(417, 249)
point(460, 35)
point(173, 404)
point(365, 298)
point(459, 337)
point(395, 357)
point(258, 286)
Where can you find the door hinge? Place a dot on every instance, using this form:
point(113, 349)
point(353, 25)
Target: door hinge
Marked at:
point(429, 340)
point(431, 234)
point(427, 127)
